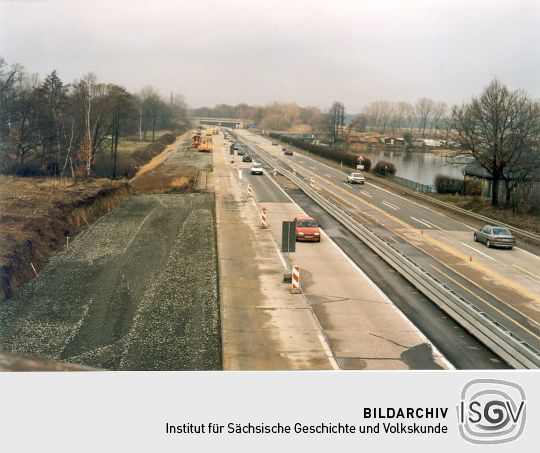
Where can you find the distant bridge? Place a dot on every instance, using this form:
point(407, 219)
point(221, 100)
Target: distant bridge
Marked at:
point(225, 122)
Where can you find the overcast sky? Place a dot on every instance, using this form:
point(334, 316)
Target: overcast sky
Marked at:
point(311, 52)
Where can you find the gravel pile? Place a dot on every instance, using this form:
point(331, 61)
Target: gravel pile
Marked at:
point(138, 290)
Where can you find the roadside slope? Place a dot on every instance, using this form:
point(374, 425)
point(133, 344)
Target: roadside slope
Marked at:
point(138, 290)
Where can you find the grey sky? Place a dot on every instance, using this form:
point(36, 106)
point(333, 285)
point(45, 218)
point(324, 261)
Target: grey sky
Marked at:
point(311, 52)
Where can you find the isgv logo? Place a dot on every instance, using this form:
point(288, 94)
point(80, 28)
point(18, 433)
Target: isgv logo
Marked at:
point(491, 411)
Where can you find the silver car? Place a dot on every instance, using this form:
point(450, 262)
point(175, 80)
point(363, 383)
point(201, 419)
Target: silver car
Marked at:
point(495, 236)
point(256, 169)
point(356, 178)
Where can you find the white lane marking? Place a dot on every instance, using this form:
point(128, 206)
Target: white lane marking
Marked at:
point(525, 270)
point(382, 294)
point(426, 207)
point(395, 208)
point(325, 345)
point(346, 184)
point(365, 193)
point(432, 224)
point(419, 221)
point(327, 175)
point(478, 251)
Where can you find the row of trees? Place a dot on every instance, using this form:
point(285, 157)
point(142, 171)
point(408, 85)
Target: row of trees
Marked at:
point(273, 116)
point(384, 116)
point(50, 127)
point(500, 130)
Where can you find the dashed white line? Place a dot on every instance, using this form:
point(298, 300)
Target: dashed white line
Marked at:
point(391, 206)
point(432, 224)
point(477, 251)
point(419, 221)
point(365, 193)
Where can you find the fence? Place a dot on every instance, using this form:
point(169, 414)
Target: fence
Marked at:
point(412, 184)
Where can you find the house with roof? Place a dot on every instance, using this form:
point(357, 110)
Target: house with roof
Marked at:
point(480, 176)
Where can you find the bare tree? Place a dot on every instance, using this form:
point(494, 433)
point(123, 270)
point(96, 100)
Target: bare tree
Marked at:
point(386, 109)
point(410, 116)
point(336, 121)
point(501, 130)
point(440, 110)
point(400, 111)
point(424, 110)
point(9, 76)
point(372, 113)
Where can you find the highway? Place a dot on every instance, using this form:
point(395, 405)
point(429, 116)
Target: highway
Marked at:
point(358, 329)
point(459, 347)
point(504, 284)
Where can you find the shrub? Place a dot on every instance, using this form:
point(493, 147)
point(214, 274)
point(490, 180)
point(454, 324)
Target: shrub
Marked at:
point(473, 187)
point(447, 184)
point(384, 167)
point(366, 162)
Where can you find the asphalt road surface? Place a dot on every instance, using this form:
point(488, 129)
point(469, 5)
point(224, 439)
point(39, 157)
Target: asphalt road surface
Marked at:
point(458, 346)
point(136, 291)
point(437, 243)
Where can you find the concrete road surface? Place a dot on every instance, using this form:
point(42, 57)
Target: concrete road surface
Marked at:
point(357, 326)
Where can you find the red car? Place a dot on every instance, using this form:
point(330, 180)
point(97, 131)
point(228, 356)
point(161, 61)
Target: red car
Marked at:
point(307, 229)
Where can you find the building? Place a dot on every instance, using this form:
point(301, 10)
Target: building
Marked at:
point(475, 172)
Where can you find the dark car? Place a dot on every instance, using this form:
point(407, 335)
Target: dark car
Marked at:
point(247, 158)
point(287, 151)
point(495, 236)
point(241, 151)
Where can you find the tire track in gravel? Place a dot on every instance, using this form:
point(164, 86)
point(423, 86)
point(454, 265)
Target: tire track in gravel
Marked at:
point(138, 290)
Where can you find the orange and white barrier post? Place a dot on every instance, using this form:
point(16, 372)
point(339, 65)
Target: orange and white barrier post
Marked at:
point(295, 289)
point(249, 190)
point(274, 172)
point(311, 183)
point(263, 218)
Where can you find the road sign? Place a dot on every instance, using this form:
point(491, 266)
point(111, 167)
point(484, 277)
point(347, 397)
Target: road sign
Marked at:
point(288, 238)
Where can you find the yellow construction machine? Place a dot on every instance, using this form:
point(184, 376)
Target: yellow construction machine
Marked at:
point(196, 140)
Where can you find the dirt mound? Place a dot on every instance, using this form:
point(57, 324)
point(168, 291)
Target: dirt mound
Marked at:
point(166, 179)
point(168, 173)
point(129, 164)
point(37, 215)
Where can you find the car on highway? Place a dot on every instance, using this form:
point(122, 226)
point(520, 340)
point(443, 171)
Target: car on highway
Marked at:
point(247, 158)
point(356, 178)
point(256, 169)
point(287, 151)
point(495, 236)
point(306, 229)
point(241, 151)
point(274, 143)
